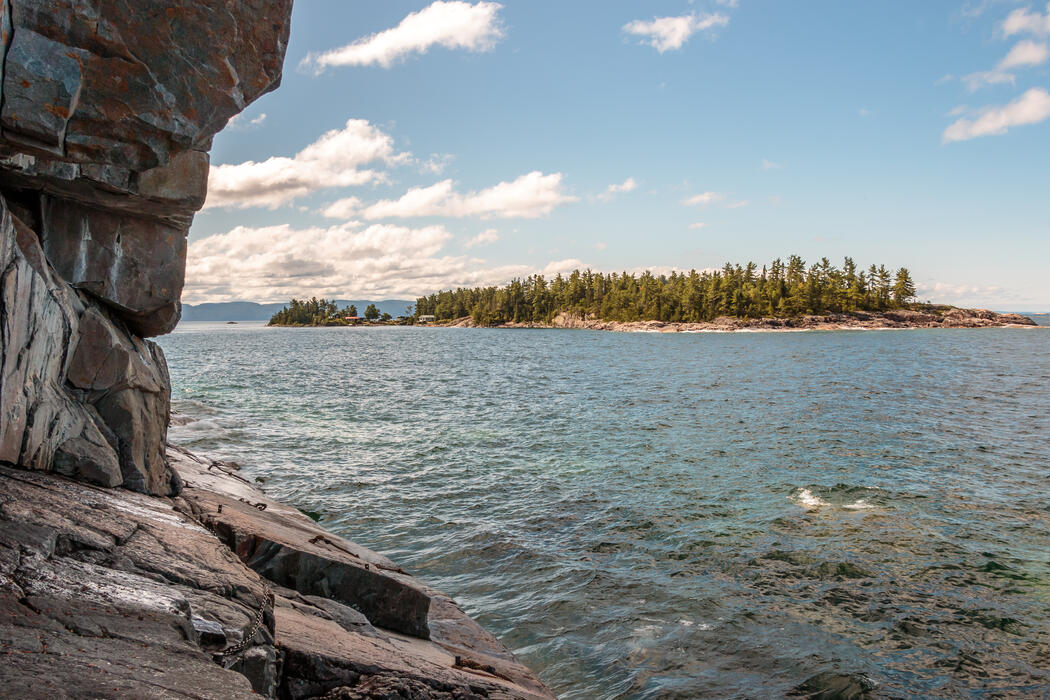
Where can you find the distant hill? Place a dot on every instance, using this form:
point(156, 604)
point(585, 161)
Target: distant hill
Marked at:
point(251, 311)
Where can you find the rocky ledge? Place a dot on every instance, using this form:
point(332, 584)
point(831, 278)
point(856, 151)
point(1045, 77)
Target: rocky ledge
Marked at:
point(928, 317)
point(221, 592)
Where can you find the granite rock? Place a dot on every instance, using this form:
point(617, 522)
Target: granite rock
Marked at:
point(107, 111)
point(347, 613)
point(136, 266)
point(142, 80)
point(114, 594)
point(80, 394)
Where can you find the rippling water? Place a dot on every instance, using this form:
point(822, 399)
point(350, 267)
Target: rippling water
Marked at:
point(673, 516)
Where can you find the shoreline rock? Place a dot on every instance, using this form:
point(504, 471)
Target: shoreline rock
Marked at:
point(900, 319)
point(110, 593)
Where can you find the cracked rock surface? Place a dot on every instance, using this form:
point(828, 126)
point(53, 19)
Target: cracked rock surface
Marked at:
point(108, 593)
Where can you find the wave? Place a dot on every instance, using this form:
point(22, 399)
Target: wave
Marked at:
point(815, 498)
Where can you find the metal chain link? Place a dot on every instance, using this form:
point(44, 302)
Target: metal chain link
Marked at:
point(247, 639)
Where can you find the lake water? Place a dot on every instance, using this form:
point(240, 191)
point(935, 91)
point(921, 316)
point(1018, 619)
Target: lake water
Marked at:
point(672, 516)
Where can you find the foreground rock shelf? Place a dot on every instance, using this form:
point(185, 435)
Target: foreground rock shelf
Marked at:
point(221, 592)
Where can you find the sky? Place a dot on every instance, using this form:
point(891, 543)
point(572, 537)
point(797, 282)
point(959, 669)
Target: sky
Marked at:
point(415, 146)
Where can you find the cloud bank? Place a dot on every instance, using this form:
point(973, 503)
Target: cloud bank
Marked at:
point(335, 159)
point(276, 263)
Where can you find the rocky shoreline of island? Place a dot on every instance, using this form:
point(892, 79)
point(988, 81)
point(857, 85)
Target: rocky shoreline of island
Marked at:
point(897, 319)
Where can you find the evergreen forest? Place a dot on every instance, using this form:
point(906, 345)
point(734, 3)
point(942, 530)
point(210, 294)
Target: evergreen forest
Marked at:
point(776, 290)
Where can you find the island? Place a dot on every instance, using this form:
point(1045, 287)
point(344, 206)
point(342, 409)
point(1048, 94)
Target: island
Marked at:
point(322, 312)
point(778, 296)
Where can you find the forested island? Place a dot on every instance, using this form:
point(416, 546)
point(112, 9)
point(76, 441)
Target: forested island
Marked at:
point(779, 295)
point(779, 290)
point(322, 312)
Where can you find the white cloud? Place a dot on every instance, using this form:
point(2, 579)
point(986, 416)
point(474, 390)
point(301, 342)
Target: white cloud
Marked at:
point(451, 25)
point(278, 262)
point(697, 226)
point(703, 199)
point(628, 185)
point(770, 165)
point(237, 122)
point(864, 112)
point(601, 245)
point(528, 197)
point(980, 79)
point(1030, 108)
point(1024, 21)
point(967, 295)
point(738, 205)
point(671, 33)
point(435, 164)
point(333, 160)
point(1025, 53)
point(346, 208)
point(486, 237)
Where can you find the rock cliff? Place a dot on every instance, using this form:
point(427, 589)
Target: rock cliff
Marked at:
point(107, 111)
point(197, 586)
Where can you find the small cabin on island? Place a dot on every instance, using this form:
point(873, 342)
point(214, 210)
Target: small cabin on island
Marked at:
point(427, 318)
point(353, 319)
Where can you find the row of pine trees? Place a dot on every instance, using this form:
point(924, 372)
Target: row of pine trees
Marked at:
point(776, 290)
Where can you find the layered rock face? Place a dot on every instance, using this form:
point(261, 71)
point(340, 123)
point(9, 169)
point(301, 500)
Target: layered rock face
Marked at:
point(107, 111)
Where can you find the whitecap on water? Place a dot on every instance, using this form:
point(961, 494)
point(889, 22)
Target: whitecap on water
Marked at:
point(811, 501)
point(807, 499)
point(690, 623)
point(862, 504)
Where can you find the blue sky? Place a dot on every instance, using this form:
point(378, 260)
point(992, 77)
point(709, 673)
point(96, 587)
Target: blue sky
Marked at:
point(420, 145)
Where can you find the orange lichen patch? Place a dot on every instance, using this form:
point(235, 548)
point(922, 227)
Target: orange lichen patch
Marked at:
point(26, 83)
point(76, 57)
point(57, 110)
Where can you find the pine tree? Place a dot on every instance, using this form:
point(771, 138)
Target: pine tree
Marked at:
point(903, 287)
